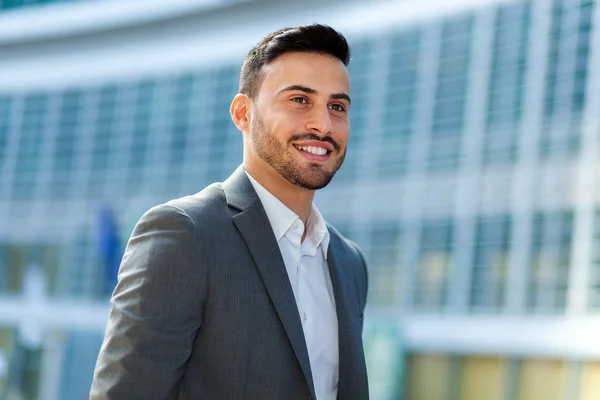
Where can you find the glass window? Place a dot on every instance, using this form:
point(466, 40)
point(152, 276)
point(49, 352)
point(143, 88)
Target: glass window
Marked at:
point(29, 153)
point(507, 83)
point(81, 254)
point(145, 96)
point(432, 377)
point(25, 372)
point(451, 93)
point(104, 149)
point(551, 257)
point(590, 381)
point(360, 69)
point(29, 269)
point(483, 378)
point(7, 341)
point(5, 121)
point(594, 276)
point(13, 260)
point(565, 89)
point(491, 266)
point(183, 99)
point(193, 174)
point(383, 260)
point(67, 136)
point(435, 263)
point(399, 107)
point(489, 377)
point(224, 147)
point(79, 359)
point(542, 380)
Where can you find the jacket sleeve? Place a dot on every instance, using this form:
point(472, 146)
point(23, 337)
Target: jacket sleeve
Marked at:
point(156, 310)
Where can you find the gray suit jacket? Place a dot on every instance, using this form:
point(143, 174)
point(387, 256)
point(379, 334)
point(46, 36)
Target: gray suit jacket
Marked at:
point(204, 308)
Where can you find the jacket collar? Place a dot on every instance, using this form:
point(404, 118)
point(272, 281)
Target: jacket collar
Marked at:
point(254, 226)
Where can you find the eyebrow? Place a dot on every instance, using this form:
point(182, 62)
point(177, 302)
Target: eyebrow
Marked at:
point(337, 96)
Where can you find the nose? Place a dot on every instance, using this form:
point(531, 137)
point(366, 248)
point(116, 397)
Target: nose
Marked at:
point(320, 121)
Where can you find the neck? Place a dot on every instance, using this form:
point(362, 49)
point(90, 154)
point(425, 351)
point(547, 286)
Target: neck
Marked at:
point(295, 198)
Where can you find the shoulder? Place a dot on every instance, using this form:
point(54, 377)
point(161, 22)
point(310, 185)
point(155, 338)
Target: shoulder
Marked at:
point(195, 216)
point(209, 202)
point(200, 209)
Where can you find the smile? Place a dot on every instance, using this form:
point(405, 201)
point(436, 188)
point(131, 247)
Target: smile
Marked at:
point(314, 153)
point(319, 151)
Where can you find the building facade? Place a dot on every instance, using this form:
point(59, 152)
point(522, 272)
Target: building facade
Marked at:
point(470, 180)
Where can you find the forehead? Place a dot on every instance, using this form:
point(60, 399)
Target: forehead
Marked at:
point(324, 73)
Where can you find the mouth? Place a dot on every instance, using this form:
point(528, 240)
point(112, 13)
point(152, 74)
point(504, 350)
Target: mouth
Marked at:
point(314, 153)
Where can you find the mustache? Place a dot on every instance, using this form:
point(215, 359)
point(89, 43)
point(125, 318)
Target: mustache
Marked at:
point(312, 136)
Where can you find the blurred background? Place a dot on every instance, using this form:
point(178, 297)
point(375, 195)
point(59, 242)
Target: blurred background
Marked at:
point(470, 181)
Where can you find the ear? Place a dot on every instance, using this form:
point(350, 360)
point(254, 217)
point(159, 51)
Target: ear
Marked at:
point(240, 110)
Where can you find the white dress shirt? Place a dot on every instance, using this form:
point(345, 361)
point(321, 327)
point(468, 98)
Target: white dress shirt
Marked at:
point(306, 265)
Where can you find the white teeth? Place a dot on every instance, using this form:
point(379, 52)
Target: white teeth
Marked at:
point(313, 150)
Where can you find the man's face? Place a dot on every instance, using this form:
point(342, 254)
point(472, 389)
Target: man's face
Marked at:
point(299, 124)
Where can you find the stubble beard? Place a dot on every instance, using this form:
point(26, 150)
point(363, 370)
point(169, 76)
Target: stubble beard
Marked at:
point(277, 155)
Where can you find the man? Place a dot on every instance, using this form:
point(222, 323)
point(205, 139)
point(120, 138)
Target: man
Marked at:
point(243, 291)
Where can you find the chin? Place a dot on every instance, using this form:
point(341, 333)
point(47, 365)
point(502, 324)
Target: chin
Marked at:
point(308, 180)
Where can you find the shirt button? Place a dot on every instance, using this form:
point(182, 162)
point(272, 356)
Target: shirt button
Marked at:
point(304, 317)
point(295, 226)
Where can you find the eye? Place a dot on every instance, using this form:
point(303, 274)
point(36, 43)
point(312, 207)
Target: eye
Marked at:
point(337, 107)
point(300, 100)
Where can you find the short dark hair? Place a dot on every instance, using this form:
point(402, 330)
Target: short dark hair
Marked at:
point(314, 38)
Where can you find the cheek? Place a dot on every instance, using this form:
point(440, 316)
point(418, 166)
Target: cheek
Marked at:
point(285, 128)
point(342, 132)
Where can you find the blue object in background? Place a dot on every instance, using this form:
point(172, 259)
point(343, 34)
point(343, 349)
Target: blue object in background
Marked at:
point(109, 246)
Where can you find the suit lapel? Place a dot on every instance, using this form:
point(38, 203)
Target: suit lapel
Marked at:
point(253, 224)
point(349, 336)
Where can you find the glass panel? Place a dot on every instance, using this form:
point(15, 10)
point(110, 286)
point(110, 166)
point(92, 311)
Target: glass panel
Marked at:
point(491, 263)
point(383, 260)
point(67, 137)
point(142, 126)
point(80, 354)
point(194, 176)
point(84, 258)
point(399, 106)
point(180, 130)
point(15, 259)
point(483, 378)
point(32, 130)
point(551, 257)
point(224, 139)
point(507, 83)
point(453, 70)
point(590, 381)
point(104, 137)
point(24, 369)
point(565, 89)
point(360, 70)
point(594, 277)
point(542, 380)
point(7, 338)
point(5, 122)
point(435, 264)
point(429, 377)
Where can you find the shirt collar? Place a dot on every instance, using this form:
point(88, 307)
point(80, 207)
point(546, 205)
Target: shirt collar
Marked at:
point(282, 218)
